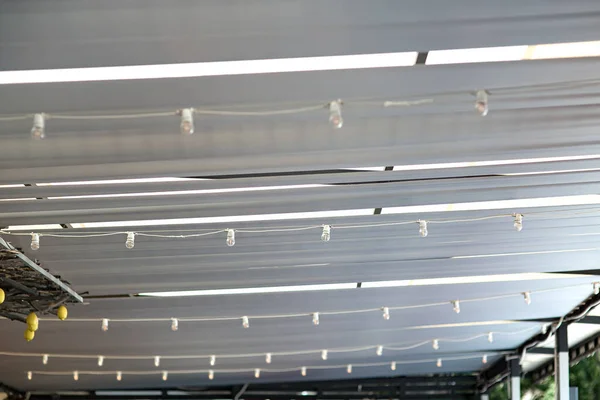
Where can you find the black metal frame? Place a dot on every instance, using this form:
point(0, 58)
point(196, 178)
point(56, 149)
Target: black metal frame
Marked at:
point(459, 387)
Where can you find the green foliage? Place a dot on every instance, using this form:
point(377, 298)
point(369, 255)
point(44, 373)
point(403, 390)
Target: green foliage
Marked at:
point(585, 375)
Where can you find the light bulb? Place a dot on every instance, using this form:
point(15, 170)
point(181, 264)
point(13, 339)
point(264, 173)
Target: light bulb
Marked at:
point(245, 322)
point(436, 344)
point(484, 359)
point(379, 350)
point(303, 371)
point(481, 104)
point(423, 228)
point(439, 363)
point(186, 127)
point(315, 318)
point(130, 241)
point(75, 375)
point(38, 130)
point(230, 237)
point(518, 224)
point(386, 313)
point(326, 235)
point(29, 375)
point(324, 354)
point(104, 324)
point(456, 306)
point(45, 359)
point(491, 337)
point(119, 375)
point(100, 361)
point(35, 241)
point(527, 297)
point(257, 373)
point(596, 287)
point(335, 114)
point(393, 366)
point(165, 375)
point(211, 374)
point(174, 324)
point(156, 361)
point(349, 368)
point(213, 360)
point(268, 358)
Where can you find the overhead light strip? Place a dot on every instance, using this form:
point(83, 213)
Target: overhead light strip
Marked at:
point(376, 284)
point(303, 64)
point(218, 68)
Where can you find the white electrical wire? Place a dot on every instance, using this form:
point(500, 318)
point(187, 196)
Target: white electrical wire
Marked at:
point(267, 370)
point(391, 347)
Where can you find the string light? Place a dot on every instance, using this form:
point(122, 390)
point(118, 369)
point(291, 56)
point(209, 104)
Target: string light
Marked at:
point(349, 368)
point(386, 313)
point(324, 354)
point(303, 371)
point(393, 366)
point(100, 361)
point(423, 228)
point(439, 363)
point(211, 374)
point(268, 358)
point(481, 104)
point(335, 114)
point(436, 344)
point(174, 324)
point(456, 306)
point(75, 375)
point(213, 360)
point(257, 373)
point(326, 235)
point(315, 318)
point(130, 241)
point(491, 337)
point(484, 359)
point(527, 297)
point(45, 359)
point(518, 224)
point(596, 288)
point(35, 241)
point(165, 375)
point(119, 376)
point(104, 324)
point(230, 237)
point(29, 375)
point(156, 361)
point(38, 131)
point(245, 322)
point(379, 350)
point(186, 127)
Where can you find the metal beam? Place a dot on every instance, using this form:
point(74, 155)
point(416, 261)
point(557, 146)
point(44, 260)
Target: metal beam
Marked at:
point(40, 270)
point(515, 379)
point(561, 362)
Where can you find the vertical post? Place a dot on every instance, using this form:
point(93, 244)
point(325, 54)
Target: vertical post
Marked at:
point(561, 363)
point(515, 379)
point(485, 396)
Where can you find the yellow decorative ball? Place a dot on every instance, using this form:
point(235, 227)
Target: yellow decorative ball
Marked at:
point(2, 296)
point(32, 322)
point(62, 313)
point(29, 335)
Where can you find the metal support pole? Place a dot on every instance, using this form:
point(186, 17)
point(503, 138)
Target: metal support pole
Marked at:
point(561, 363)
point(515, 379)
